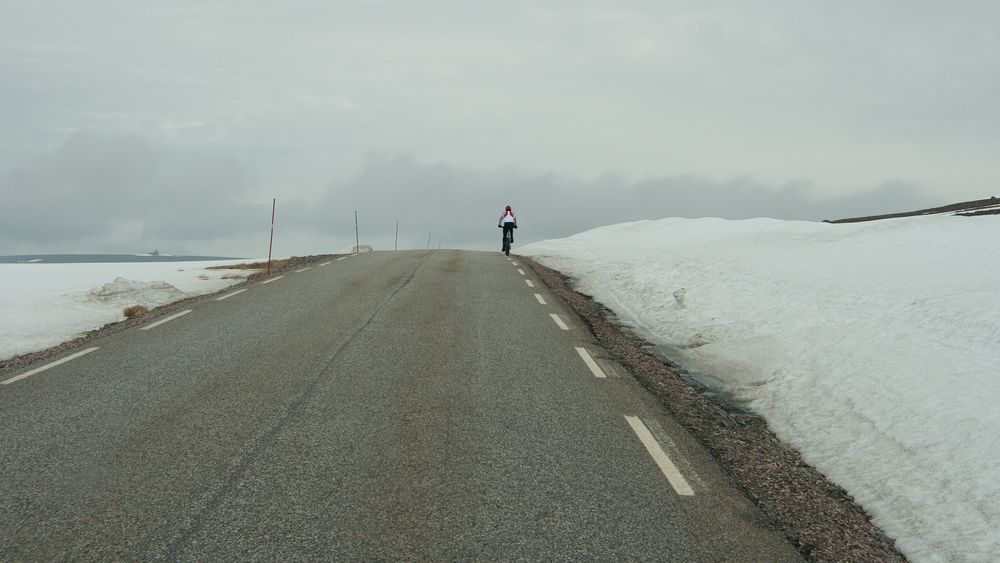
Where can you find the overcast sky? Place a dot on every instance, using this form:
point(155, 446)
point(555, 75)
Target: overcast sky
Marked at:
point(130, 125)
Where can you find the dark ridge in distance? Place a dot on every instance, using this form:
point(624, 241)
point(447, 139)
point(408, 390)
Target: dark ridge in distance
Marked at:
point(968, 206)
point(103, 258)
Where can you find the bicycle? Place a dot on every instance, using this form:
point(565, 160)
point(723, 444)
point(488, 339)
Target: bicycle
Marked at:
point(508, 238)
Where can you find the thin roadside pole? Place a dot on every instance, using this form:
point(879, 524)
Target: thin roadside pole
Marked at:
point(357, 236)
point(428, 241)
point(270, 245)
point(395, 245)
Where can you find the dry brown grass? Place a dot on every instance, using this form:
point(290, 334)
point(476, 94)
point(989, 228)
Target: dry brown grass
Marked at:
point(275, 264)
point(135, 311)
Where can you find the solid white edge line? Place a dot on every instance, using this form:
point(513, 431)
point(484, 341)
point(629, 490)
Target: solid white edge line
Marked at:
point(520, 271)
point(272, 280)
point(558, 321)
point(541, 300)
point(589, 360)
point(668, 468)
point(529, 283)
point(228, 295)
point(166, 320)
point(303, 269)
point(48, 366)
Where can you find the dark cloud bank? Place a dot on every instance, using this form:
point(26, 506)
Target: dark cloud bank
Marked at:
point(104, 192)
point(114, 193)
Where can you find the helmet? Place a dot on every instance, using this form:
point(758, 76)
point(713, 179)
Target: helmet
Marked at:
point(508, 208)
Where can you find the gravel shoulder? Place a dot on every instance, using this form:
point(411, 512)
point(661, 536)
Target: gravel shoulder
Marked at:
point(818, 517)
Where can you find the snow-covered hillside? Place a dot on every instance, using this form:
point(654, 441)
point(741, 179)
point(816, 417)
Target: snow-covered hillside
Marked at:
point(873, 348)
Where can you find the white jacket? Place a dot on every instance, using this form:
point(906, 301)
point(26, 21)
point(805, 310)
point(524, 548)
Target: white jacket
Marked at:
point(507, 217)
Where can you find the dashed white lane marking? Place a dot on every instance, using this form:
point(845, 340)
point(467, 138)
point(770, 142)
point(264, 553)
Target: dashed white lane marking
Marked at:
point(558, 321)
point(513, 262)
point(529, 283)
point(342, 258)
point(587, 359)
point(228, 295)
point(668, 468)
point(166, 320)
point(303, 269)
point(541, 300)
point(48, 366)
point(272, 280)
point(326, 263)
point(520, 271)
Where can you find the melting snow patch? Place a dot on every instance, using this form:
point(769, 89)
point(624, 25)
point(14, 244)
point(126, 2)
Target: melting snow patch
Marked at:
point(123, 291)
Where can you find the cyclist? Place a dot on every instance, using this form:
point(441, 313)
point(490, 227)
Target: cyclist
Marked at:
point(507, 222)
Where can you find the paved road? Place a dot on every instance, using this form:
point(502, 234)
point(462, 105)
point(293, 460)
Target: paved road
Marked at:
point(411, 405)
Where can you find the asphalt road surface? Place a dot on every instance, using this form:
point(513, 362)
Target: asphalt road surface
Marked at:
point(410, 405)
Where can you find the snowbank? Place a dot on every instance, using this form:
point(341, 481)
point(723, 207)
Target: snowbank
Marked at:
point(46, 304)
point(873, 348)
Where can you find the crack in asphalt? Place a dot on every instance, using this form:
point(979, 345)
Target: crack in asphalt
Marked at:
point(267, 437)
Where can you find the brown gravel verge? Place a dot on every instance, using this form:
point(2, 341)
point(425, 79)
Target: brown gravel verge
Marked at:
point(18, 362)
point(818, 517)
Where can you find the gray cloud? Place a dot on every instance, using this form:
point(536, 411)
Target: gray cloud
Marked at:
point(111, 192)
point(847, 94)
point(108, 191)
point(460, 206)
